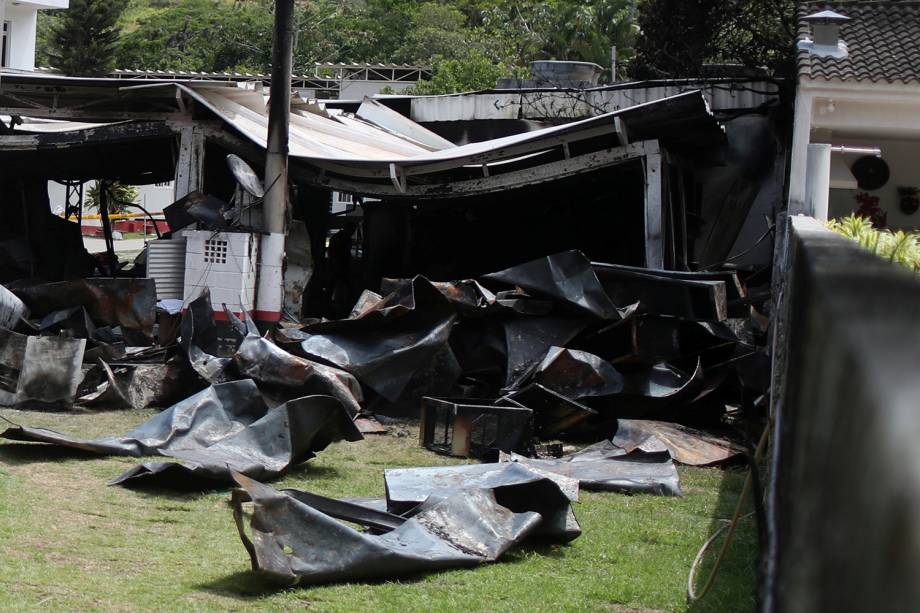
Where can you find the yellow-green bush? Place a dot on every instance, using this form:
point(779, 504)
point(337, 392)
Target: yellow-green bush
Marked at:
point(900, 247)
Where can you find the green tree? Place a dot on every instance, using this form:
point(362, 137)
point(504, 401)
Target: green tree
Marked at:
point(677, 37)
point(475, 72)
point(200, 35)
point(85, 36)
point(436, 30)
point(119, 196)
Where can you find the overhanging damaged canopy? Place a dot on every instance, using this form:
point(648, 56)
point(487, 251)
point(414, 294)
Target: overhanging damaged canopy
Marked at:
point(374, 154)
point(134, 152)
point(376, 151)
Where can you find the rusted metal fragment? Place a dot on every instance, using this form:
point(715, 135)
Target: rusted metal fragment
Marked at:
point(51, 372)
point(127, 303)
point(366, 301)
point(463, 529)
point(606, 467)
point(565, 277)
point(12, 309)
point(387, 344)
point(222, 428)
point(368, 424)
point(685, 445)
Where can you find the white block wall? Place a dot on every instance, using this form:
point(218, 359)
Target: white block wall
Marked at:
point(224, 262)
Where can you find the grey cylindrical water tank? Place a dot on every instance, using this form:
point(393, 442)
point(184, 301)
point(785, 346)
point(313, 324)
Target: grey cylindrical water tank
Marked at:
point(565, 73)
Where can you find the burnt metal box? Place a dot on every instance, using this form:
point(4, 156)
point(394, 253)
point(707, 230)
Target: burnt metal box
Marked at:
point(474, 427)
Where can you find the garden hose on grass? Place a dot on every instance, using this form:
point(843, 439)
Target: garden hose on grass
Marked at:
point(731, 526)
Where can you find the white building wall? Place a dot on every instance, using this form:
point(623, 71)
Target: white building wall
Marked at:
point(357, 90)
point(22, 19)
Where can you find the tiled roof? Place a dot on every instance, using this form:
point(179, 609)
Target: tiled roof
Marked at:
point(883, 40)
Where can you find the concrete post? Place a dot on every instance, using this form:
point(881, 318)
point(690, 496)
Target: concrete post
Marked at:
point(270, 296)
point(818, 180)
point(654, 233)
point(190, 166)
point(801, 135)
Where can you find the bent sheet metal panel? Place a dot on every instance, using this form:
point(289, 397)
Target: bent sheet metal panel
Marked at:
point(222, 428)
point(294, 542)
point(326, 142)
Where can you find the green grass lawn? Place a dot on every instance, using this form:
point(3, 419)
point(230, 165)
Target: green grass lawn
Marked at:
point(69, 542)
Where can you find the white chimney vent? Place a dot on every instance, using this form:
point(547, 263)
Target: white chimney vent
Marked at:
point(825, 41)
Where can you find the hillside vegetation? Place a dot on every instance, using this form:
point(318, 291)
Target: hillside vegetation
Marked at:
point(469, 42)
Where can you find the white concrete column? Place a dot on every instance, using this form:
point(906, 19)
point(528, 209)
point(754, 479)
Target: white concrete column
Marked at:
point(801, 136)
point(818, 180)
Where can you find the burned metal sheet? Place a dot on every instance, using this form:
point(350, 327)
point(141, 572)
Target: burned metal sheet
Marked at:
point(295, 542)
point(691, 298)
point(437, 378)
point(75, 320)
point(365, 302)
point(606, 467)
point(271, 365)
point(127, 303)
point(467, 295)
point(138, 386)
point(12, 353)
point(567, 278)
point(408, 487)
point(685, 445)
point(223, 428)
point(12, 309)
point(578, 374)
point(527, 339)
point(199, 339)
point(387, 344)
point(553, 413)
point(51, 372)
point(207, 211)
point(298, 261)
point(662, 383)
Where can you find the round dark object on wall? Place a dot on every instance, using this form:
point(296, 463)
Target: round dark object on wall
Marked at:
point(871, 172)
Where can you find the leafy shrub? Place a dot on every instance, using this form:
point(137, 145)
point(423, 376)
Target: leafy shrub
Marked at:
point(900, 247)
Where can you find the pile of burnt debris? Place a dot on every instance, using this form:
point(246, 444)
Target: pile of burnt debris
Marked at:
point(632, 369)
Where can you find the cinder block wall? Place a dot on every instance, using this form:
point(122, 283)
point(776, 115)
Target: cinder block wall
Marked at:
point(844, 497)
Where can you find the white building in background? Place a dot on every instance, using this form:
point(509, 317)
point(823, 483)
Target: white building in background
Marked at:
point(856, 137)
point(20, 19)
